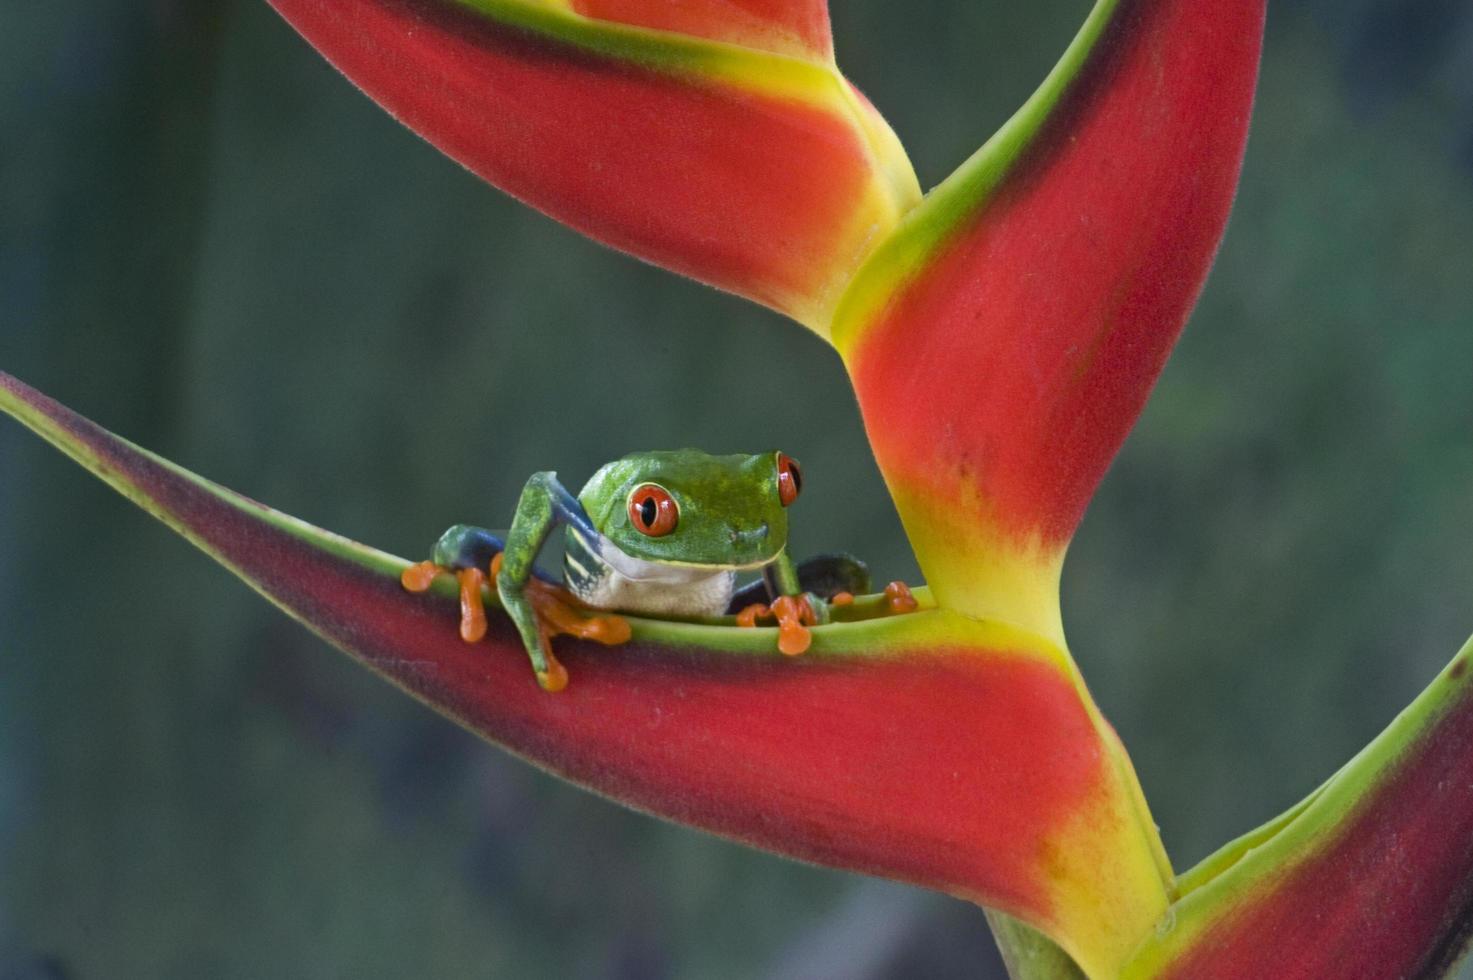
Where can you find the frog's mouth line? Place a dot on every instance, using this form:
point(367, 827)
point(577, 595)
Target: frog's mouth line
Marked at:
point(649, 570)
point(751, 566)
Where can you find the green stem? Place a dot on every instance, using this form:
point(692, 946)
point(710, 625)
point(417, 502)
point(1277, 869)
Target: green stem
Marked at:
point(1028, 953)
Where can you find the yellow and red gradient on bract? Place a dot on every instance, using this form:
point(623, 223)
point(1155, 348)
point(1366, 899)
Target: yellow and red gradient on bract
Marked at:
point(796, 27)
point(754, 172)
point(926, 747)
point(1000, 372)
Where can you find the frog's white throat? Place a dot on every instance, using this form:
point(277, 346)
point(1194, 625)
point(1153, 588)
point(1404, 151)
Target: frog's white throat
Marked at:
point(629, 584)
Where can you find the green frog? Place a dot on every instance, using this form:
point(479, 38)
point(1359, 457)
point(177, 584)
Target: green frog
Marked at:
point(656, 534)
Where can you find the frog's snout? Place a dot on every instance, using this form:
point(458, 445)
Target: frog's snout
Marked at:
point(751, 536)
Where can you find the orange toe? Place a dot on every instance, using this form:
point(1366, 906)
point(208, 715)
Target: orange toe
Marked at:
point(554, 678)
point(472, 608)
point(750, 614)
point(419, 577)
point(793, 637)
point(901, 600)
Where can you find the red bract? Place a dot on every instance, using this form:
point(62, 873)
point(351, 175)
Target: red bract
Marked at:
point(1022, 315)
point(1002, 335)
point(756, 172)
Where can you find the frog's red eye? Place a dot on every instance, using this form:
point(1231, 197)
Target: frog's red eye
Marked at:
point(652, 510)
point(789, 479)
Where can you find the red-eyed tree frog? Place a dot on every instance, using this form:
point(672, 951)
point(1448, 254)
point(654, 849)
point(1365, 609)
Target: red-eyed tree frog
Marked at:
point(656, 534)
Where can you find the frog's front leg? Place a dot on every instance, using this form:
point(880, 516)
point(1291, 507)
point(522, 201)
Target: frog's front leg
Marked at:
point(535, 603)
point(544, 505)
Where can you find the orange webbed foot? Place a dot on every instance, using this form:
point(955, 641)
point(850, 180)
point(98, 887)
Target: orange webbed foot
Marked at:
point(472, 605)
point(419, 577)
point(899, 598)
point(794, 615)
point(559, 613)
point(749, 615)
point(563, 615)
point(422, 575)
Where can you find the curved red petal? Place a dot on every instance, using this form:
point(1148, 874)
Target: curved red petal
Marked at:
point(755, 173)
point(1003, 344)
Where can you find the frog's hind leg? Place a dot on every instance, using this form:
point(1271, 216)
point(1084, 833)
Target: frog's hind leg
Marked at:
point(459, 548)
point(464, 546)
point(465, 552)
point(827, 576)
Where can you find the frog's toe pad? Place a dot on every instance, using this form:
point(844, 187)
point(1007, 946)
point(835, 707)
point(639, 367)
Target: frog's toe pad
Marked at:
point(554, 678)
point(419, 577)
point(606, 629)
point(748, 616)
point(559, 614)
point(794, 616)
point(472, 605)
point(899, 598)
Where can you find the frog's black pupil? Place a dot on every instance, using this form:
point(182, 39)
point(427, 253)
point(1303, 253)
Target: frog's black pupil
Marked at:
point(797, 475)
point(647, 511)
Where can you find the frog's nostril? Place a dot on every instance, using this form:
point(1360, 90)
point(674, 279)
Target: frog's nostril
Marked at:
point(755, 534)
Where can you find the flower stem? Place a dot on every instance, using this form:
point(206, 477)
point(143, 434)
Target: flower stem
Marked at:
point(1028, 953)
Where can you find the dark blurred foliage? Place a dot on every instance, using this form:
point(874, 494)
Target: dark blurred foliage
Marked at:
point(212, 244)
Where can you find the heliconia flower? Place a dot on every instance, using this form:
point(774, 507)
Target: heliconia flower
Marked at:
point(930, 747)
point(1002, 333)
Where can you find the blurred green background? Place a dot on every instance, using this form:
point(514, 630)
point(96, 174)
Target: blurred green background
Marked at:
point(212, 244)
